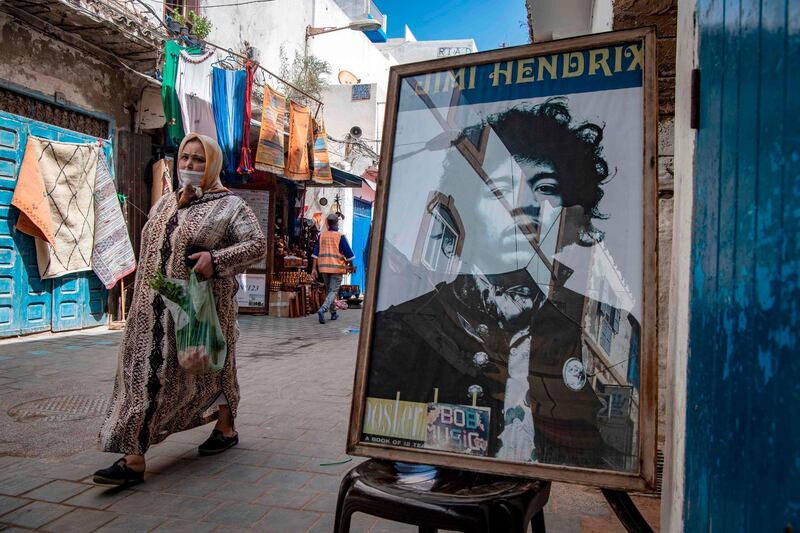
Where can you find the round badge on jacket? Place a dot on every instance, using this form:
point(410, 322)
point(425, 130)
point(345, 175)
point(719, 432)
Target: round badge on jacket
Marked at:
point(574, 374)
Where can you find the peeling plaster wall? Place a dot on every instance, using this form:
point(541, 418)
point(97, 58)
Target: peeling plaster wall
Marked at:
point(40, 64)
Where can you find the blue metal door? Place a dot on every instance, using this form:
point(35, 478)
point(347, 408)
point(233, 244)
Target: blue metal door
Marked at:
point(28, 303)
point(362, 220)
point(742, 465)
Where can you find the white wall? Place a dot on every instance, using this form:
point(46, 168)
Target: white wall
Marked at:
point(347, 49)
point(602, 15)
point(341, 113)
point(561, 19)
point(269, 26)
point(410, 51)
point(678, 335)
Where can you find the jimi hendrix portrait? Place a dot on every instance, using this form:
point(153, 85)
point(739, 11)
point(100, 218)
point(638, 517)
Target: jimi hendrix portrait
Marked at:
point(501, 294)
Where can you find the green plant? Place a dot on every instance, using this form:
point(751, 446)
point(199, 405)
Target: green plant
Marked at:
point(307, 73)
point(200, 26)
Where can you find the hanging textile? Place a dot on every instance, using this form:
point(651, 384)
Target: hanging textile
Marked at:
point(245, 160)
point(193, 85)
point(66, 173)
point(169, 97)
point(30, 197)
point(300, 139)
point(162, 182)
point(269, 155)
point(228, 105)
point(112, 252)
point(322, 164)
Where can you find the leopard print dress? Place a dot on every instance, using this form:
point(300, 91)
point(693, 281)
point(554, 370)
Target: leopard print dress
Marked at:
point(153, 396)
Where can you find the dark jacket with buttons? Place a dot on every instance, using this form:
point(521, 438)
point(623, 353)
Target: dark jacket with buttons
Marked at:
point(437, 340)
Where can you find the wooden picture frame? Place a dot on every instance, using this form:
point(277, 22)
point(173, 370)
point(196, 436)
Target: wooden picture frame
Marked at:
point(641, 476)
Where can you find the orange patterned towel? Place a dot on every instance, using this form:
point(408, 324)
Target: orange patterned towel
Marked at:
point(300, 141)
point(30, 197)
point(269, 156)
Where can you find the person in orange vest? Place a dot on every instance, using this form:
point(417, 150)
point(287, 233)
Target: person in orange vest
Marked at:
point(332, 258)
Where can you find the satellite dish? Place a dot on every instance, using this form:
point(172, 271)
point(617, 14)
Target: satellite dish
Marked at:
point(347, 78)
point(355, 131)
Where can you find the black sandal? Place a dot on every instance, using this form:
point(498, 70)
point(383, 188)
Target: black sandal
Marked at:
point(118, 474)
point(217, 443)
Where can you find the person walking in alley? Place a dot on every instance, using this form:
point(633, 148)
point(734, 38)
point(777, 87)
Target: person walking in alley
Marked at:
point(206, 226)
point(332, 258)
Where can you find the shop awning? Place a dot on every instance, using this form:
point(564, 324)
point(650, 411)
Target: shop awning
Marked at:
point(341, 179)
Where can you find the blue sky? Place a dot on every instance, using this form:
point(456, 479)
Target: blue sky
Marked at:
point(489, 22)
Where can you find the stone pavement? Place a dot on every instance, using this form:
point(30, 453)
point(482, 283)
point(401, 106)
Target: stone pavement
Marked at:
point(296, 380)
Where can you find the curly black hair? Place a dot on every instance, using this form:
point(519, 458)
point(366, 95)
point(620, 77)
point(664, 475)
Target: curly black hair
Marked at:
point(545, 132)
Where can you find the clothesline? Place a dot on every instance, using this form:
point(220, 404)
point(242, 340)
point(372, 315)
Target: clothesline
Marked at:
point(245, 58)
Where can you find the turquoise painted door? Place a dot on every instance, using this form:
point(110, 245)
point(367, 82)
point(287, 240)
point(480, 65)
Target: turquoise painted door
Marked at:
point(742, 466)
point(27, 303)
point(362, 219)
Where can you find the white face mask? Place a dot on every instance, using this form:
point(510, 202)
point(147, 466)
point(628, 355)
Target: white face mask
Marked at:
point(190, 177)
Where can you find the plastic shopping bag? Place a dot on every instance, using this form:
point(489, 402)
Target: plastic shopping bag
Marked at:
point(201, 344)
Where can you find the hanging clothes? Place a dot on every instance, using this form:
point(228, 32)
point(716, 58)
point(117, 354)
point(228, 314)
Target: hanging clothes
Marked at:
point(161, 182)
point(193, 85)
point(30, 197)
point(322, 164)
point(228, 105)
point(245, 160)
point(300, 140)
point(269, 155)
point(169, 97)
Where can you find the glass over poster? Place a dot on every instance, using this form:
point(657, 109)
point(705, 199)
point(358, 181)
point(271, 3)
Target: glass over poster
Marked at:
point(510, 324)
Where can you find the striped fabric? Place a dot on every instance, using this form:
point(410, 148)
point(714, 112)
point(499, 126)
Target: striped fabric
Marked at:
point(322, 165)
point(330, 260)
point(269, 156)
point(112, 253)
point(300, 139)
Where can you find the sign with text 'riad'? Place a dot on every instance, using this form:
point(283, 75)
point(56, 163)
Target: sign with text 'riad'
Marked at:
point(510, 325)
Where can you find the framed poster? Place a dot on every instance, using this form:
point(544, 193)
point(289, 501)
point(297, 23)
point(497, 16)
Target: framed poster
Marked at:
point(512, 324)
point(253, 294)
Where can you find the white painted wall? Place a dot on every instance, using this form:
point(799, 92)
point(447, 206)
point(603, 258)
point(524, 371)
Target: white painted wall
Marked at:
point(341, 113)
point(561, 19)
point(410, 51)
point(602, 15)
point(680, 276)
point(269, 26)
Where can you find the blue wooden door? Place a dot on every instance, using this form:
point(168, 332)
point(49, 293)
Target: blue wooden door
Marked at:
point(28, 303)
point(362, 220)
point(742, 464)
point(25, 299)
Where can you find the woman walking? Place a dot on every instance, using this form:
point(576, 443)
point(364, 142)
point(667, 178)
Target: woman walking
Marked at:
point(205, 225)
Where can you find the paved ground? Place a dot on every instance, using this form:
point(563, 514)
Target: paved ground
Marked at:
point(296, 380)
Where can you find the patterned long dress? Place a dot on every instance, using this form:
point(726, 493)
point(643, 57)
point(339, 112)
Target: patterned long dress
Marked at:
point(153, 396)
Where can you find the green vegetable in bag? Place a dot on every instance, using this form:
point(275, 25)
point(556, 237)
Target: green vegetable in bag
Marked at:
point(201, 344)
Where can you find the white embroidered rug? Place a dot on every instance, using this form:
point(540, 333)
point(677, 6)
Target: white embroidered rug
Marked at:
point(68, 171)
point(112, 256)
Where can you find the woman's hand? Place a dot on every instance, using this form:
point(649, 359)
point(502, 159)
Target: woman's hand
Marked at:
point(204, 266)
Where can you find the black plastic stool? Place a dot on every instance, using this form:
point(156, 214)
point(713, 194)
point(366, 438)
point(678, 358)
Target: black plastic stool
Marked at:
point(457, 500)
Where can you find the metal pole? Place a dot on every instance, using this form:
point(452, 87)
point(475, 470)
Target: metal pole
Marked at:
point(240, 56)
